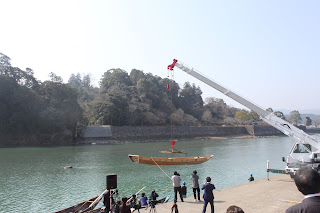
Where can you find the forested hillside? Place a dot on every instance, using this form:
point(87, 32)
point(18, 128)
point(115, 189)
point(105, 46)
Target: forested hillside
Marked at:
point(138, 99)
point(36, 112)
point(49, 112)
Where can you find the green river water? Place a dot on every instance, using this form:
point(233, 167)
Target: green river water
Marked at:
point(33, 179)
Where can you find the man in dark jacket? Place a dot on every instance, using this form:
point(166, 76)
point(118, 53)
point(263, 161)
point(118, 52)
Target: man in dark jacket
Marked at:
point(307, 181)
point(208, 197)
point(153, 195)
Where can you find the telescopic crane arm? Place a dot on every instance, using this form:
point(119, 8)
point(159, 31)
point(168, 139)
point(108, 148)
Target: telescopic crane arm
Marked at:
point(280, 124)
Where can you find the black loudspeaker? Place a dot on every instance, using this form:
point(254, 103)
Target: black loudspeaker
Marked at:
point(111, 181)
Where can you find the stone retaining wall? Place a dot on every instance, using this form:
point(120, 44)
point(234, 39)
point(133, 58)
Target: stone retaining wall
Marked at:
point(158, 133)
point(313, 131)
point(263, 130)
point(164, 132)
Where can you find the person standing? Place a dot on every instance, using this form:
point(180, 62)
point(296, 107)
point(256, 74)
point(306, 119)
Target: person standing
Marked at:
point(153, 195)
point(208, 197)
point(307, 181)
point(176, 181)
point(184, 189)
point(195, 185)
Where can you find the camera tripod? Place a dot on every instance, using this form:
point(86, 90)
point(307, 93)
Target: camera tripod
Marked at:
point(153, 209)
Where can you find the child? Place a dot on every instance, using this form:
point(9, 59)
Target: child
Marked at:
point(251, 178)
point(184, 190)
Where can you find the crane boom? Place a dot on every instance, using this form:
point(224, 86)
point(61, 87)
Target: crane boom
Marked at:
point(287, 128)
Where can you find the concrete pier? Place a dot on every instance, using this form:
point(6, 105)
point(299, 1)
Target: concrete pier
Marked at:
point(267, 196)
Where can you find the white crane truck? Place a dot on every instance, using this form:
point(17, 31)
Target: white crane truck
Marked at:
point(306, 149)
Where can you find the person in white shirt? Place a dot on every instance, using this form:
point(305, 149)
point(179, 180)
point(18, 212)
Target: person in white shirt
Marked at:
point(176, 181)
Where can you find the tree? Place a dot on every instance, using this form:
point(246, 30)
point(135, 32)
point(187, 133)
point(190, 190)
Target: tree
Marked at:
point(207, 117)
point(114, 77)
point(242, 115)
point(19, 107)
point(280, 115)
point(191, 101)
point(113, 110)
point(177, 117)
point(55, 78)
point(5, 65)
point(75, 80)
point(61, 110)
point(230, 121)
point(136, 75)
point(86, 81)
point(143, 85)
point(269, 109)
point(24, 78)
point(189, 120)
point(217, 107)
point(308, 121)
point(294, 117)
point(253, 116)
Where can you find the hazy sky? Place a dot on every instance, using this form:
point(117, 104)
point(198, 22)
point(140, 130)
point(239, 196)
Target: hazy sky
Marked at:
point(267, 51)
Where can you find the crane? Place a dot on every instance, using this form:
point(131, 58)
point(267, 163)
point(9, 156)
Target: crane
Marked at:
point(306, 149)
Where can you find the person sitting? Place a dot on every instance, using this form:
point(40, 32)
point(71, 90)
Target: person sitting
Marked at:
point(133, 203)
point(143, 200)
point(132, 200)
point(307, 181)
point(251, 178)
point(234, 209)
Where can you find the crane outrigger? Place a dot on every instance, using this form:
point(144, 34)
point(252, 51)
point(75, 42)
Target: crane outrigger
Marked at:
point(306, 149)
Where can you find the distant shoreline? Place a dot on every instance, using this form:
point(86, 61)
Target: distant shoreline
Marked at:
point(145, 134)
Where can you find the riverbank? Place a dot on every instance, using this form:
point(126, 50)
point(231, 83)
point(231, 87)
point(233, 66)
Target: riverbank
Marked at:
point(104, 134)
point(268, 196)
point(131, 134)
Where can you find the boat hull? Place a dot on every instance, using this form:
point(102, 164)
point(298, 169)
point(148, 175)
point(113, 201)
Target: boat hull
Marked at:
point(78, 207)
point(169, 160)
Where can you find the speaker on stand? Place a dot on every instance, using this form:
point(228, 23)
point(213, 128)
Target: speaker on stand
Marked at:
point(111, 181)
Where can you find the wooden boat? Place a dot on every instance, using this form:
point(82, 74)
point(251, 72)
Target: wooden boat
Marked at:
point(99, 210)
point(78, 207)
point(84, 206)
point(160, 201)
point(168, 160)
point(164, 200)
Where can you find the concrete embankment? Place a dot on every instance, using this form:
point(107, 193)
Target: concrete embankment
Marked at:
point(113, 134)
point(267, 196)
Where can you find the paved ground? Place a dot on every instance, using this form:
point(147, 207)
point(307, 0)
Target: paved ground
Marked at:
point(267, 196)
